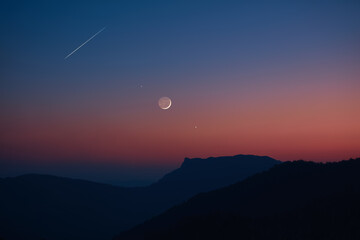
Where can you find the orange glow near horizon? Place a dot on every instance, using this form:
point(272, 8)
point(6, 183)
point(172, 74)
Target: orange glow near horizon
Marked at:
point(320, 123)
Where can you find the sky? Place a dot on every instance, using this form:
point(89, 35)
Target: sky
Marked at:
point(276, 78)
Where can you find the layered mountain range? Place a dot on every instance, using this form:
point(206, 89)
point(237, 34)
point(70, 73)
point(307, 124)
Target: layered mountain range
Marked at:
point(48, 207)
point(292, 200)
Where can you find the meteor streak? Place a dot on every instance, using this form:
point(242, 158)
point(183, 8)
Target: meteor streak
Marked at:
point(84, 43)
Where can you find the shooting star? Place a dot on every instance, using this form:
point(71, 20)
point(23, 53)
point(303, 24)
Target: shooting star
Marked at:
point(84, 43)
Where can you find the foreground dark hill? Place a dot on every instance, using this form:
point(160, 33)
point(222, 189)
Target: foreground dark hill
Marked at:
point(293, 200)
point(48, 207)
point(40, 206)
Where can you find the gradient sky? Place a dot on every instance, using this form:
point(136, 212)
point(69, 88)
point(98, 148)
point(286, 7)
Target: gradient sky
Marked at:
point(276, 78)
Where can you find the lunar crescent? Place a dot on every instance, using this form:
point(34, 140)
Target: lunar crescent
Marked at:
point(164, 103)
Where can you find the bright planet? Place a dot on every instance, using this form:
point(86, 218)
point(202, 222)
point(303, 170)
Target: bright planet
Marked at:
point(164, 103)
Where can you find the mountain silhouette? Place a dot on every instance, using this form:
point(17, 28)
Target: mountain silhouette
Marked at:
point(292, 200)
point(198, 175)
point(47, 207)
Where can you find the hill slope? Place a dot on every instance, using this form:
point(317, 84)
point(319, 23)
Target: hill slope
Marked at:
point(293, 200)
point(202, 175)
point(41, 206)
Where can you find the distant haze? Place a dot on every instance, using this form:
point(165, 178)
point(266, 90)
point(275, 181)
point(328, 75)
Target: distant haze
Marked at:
point(116, 174)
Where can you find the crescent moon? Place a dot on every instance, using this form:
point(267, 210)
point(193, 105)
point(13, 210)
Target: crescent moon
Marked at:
point(164, 103)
